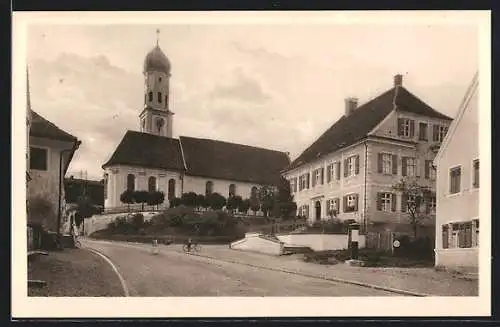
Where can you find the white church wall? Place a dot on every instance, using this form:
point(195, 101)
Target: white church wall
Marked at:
point(117, 182)
point(198, 185)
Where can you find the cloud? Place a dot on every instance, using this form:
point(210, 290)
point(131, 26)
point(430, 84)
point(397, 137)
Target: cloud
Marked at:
point(243, 88)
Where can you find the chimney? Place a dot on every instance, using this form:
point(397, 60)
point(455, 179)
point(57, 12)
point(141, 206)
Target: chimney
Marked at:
point(398, 80)
point(350, 105)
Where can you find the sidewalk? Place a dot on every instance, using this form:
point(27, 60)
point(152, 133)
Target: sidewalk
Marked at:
point(73, 272)
point(425, 281)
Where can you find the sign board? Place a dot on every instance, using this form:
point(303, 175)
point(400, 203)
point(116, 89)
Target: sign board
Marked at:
point(354, 235)
point(396, 244)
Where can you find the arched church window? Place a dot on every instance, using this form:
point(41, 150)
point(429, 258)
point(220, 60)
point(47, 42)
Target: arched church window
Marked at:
point(171, 189)
point(159, 79)
point(152, 184)
point(166, 101)
point(131, 182)
point(150, 96)
point(209, 187)
point(143, 124)
point(159, 97)
point(159, 124)
point(232, 190)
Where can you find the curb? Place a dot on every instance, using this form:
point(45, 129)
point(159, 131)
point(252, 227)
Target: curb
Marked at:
point(339, 280)
point(115, 269)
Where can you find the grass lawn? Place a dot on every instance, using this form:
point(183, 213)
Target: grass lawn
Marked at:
point(73, 272)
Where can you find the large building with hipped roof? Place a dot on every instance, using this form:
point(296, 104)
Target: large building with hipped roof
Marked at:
point(352, 167)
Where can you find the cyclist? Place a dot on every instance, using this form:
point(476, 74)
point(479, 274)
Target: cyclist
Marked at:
point(189, 244)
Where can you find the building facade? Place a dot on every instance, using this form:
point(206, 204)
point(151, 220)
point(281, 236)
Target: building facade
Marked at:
point(457, 223)
point(352, 168)
point(50, 151)
point(152, 160)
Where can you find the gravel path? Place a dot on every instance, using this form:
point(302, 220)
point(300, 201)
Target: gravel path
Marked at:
point(173, 273)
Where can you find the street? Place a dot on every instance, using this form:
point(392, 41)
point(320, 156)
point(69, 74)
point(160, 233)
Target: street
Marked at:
point(173, 273)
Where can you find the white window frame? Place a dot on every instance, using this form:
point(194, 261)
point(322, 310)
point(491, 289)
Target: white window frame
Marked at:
point(317, 176)
point(411, 172)
point(454, 242)
point(473, 174)
point(351, 201)
point(332, 171)
point(351, 166)
point(449, 181)
point(292, 182)
point(410, 199)
point(432, 205)
point(442, 130)
point(386, 202)
point(47, 159)
point(387, 159)
point(432, 171)
point(331, 205)
point(406, 127)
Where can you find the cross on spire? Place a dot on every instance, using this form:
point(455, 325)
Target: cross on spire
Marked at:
point(157, 37)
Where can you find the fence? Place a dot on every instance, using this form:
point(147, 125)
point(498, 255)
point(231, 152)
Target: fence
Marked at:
point(380, 241)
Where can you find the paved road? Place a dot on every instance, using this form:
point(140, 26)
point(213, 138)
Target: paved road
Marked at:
point(173, 273)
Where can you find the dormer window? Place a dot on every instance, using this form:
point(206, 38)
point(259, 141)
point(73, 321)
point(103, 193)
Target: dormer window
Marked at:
point(406, 127)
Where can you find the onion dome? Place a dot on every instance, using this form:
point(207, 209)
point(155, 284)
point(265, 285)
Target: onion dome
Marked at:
point(157, 61)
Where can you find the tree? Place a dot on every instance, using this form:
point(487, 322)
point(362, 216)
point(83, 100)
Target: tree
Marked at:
point(216, 201)
point(141, 197)
point(254, 203)
point(284, 199)
point(414, 196)
point(200, 201)
point(156, 198)
point(244, 206)
point(189, 199)
point(127, 197)
point(234, 202)
point(175, 202)
point(84, 209)
point(267, 199)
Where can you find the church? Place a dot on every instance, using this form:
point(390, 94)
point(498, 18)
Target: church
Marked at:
point(151, 159)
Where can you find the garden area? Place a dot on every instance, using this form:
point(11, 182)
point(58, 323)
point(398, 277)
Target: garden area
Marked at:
point(412, 253)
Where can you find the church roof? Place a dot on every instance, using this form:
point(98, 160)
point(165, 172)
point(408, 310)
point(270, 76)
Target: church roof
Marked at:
point(230, 161)
point(148, 151)
point(41, 127)
point(356, 126)
point(203, 157)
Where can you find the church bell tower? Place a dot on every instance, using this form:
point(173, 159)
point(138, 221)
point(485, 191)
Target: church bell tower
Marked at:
point(156, 117)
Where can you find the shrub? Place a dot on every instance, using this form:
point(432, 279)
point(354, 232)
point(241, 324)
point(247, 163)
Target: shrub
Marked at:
point(138, 221)
point(175, 202)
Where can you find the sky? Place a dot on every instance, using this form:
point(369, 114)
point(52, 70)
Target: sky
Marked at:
point(273, 86)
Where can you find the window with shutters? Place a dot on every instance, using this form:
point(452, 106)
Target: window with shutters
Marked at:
point(455, 177)
point(351, 202)
point(386, 163)
point(406, 130)
point(430, 171)
point(386, 202)
point(409, 167)
point(331, 172)
point(410, 203)
point(351, 166)
point(475, 173)
point(439, 132)
point(422, 131)
point(432, 205)
point(318, 177)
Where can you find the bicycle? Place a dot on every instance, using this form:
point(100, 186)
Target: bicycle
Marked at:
point(195, 247)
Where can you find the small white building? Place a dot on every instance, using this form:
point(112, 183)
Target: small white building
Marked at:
point(457, 162)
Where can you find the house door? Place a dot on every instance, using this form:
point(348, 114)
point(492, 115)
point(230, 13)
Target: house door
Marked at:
point(317, 207)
